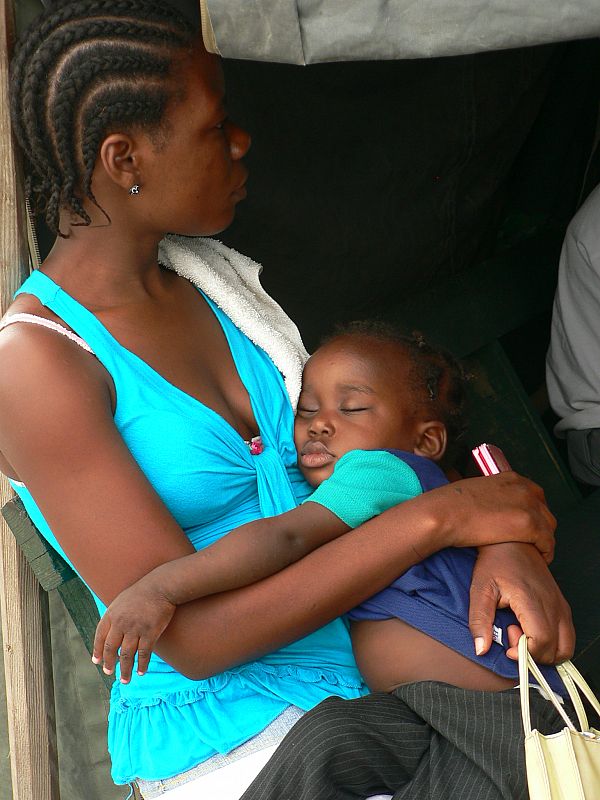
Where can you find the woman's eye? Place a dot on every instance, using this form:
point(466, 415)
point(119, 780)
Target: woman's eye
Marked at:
point(221, 125)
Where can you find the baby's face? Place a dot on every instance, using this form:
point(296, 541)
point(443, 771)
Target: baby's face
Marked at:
point(355, 396)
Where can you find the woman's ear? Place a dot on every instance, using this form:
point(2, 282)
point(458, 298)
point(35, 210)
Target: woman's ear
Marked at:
point(120, 158)
point(431, 440)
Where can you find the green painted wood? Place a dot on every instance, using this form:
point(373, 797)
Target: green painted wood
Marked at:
point(49, 568)
point(53, 572)
point(576, 568)
point(500, 412)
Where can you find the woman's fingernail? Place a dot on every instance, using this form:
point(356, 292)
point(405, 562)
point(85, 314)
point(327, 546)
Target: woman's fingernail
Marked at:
point(95, 660)
point(479, 645)
point(107, 671)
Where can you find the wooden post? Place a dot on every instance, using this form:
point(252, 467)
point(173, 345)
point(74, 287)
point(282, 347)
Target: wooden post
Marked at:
point(23, 605)
point(208, 34)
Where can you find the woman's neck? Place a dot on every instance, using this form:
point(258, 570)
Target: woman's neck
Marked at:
point(103, 266)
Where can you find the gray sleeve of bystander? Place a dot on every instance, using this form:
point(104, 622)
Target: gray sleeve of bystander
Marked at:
point(573, 363)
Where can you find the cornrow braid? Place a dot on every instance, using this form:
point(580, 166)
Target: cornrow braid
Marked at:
point(437, 378)
point(109, 105)
point(82, 68)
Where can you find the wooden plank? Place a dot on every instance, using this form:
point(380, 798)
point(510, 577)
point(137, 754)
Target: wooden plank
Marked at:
point(28, 675)
point(24, 609)
point(49, 567)
point(53, 572)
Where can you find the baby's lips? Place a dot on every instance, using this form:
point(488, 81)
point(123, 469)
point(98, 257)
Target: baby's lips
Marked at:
point(314, 447)
point(315, 454)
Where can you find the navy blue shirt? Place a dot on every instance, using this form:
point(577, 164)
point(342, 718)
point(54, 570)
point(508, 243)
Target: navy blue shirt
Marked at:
point(432, 596)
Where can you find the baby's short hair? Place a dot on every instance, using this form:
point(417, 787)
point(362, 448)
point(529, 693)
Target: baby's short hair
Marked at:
point(437, 378)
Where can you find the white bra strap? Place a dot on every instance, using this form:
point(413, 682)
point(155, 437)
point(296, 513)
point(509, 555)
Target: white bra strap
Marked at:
point(46, 323)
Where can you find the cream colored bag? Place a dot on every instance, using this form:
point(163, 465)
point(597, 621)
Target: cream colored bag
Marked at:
point(564, 765)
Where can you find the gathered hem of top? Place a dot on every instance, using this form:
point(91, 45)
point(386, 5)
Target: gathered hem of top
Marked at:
point(218, 683)
point(259, 693)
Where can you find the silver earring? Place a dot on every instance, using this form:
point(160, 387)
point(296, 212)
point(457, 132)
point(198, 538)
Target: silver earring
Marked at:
point(135, 189)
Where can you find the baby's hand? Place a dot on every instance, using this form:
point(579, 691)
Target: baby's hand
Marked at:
point(133, 622)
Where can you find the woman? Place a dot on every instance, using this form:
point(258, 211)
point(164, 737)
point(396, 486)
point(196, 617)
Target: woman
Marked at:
point(136, 453)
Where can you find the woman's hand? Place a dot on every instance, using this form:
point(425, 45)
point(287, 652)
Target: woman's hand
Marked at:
point(515, 575)
point(500, 508)
point(133, 622)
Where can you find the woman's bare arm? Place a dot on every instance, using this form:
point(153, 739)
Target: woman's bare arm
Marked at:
point(57, 431)
point(139, 615)
point(342, 573)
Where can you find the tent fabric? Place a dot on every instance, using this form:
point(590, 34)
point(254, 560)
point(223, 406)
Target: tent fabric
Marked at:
point(313, 31)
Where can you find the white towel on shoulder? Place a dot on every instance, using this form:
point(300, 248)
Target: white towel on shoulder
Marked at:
point(231, 280)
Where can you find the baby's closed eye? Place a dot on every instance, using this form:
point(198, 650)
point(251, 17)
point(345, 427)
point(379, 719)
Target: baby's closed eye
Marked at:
point(303, 411)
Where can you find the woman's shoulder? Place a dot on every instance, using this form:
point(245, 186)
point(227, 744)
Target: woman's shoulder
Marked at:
point(27, 305)
point(29, 331)
point(42, 358)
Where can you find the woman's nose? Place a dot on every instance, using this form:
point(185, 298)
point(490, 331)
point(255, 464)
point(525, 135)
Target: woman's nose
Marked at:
point(239, 141)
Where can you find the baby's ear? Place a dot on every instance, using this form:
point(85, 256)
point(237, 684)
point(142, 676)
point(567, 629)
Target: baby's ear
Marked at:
point(431, 440)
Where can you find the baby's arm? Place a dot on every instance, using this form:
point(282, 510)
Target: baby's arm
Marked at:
point(137, 616)
point(363, 485)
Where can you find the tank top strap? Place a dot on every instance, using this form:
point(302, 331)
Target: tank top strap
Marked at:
point(39, 285)
point(85, 325)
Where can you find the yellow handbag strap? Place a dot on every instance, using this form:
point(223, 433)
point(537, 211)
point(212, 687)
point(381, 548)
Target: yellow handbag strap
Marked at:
point(574, 680)
point(527, 665)
point(571, 687)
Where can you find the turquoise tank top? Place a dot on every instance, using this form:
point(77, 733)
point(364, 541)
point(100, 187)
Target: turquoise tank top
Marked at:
point(163, 723)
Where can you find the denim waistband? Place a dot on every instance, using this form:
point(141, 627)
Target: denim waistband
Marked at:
point(270, 736)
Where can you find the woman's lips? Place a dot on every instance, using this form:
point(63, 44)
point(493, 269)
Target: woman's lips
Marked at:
point(239, 193)
point(315, 454)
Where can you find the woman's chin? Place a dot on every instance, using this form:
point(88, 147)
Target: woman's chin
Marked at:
point(193, 232)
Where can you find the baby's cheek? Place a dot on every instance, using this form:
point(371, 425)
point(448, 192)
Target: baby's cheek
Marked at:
point(299, 433)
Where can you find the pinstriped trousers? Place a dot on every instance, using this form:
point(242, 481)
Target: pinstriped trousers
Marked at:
point(425, 741)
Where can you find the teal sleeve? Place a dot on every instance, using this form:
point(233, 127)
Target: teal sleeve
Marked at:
point(364, 484)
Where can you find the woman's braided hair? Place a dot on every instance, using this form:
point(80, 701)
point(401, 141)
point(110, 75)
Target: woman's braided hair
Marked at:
point(82, 69)
point(437, 378)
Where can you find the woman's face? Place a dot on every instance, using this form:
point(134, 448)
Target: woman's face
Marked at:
point(195, 177)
